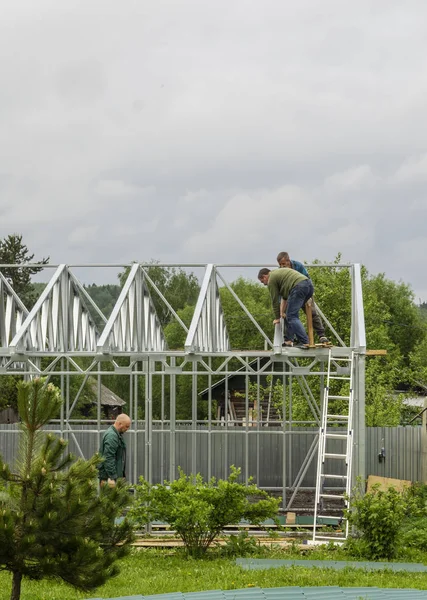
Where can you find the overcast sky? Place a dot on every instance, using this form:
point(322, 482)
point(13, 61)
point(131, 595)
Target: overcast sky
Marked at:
point(223, 131)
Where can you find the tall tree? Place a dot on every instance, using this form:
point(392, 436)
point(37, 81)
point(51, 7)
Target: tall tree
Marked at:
point(53, 522)
point(14, 252)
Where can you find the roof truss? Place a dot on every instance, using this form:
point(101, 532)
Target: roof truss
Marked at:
point(208, 331)
point(59, 321)
point(133, 325)
point(12, 313)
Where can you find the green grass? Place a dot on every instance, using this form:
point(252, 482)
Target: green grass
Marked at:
point(148, 572)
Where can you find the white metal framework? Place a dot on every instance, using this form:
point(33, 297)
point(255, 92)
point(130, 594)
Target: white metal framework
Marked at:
point(60, 336)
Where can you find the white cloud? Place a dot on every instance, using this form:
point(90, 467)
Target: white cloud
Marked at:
point(83, 234)
point(351, 180)
point(413, 170)
point(115, 187)
point(250, 218)
point(189, 131)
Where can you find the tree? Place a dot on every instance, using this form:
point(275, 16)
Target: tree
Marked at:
point(243, 333)
point(14, 252)
point(53, 522)
point(105, 297)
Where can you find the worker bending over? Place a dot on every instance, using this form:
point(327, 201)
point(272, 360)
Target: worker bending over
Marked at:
point(296, 289)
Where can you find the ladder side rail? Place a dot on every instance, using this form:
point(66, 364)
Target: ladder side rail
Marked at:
point(322, 444)
point(323, 435)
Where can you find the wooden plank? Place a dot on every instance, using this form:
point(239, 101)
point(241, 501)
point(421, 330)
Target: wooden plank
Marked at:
point(291, 518)
point(309, 316)
point(376, 352)
point(386, 482)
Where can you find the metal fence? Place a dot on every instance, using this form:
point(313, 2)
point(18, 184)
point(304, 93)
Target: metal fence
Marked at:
point(274, 457)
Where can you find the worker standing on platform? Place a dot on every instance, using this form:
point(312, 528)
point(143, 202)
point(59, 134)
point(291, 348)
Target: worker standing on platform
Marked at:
point(296, 289)
point(284, 260)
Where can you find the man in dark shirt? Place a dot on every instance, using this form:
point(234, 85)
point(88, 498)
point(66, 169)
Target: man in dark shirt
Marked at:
point(296, 289)
point(113, 451)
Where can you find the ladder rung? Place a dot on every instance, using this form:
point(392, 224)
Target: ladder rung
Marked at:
point(338, 397)
point(334, 496)
point(337, 417)
point(338, 436)
point(335, 455)
point(340, 377)
point(330, 517)
point(336, 539)
point(341, 358)
point(335, 476)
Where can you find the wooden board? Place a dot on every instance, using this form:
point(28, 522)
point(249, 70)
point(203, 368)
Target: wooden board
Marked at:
point(386, 482)
point(309, 316)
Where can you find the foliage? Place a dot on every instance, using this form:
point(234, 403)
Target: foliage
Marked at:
point(105, 297)
point(414, 534)
point(8, 391)
point(14, 251)
point(53, 523)
point(198, 511)
point(241, 544)
point(174, 332)
point(378, 516)
point(243, 333)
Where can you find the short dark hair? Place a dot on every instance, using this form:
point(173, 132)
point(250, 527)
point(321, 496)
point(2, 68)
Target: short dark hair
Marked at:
point(282, 255)
point(263, 272)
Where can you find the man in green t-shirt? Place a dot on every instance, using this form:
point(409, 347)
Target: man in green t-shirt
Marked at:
point(297, 289)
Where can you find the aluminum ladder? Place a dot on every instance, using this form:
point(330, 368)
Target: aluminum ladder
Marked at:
point(335, 464)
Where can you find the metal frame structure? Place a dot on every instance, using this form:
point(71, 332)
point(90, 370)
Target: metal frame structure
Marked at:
point(59, 336)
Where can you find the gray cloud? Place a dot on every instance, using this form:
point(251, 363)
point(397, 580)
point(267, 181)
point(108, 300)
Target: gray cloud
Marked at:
point(224, 132)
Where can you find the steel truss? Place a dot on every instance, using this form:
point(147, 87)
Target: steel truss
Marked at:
point(59, 336)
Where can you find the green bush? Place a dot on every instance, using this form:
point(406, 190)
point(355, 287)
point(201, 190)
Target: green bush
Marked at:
point(377, 517)
point(417, 500)
point(198, 511)
point(414, 534)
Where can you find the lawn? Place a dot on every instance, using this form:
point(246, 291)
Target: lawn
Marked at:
point(148, 571)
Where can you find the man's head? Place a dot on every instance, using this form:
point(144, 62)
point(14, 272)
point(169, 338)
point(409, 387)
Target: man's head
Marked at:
point(264, 275)
point(284, 260)
point(122, 423)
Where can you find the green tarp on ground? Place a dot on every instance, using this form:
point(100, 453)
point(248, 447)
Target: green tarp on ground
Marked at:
point(290, 593)
point(265, 563)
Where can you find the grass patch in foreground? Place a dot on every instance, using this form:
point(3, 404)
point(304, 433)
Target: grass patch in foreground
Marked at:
point(148, 571)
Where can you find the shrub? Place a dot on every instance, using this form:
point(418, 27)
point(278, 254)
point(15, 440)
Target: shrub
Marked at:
point(197, 510)
point(377, 516)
